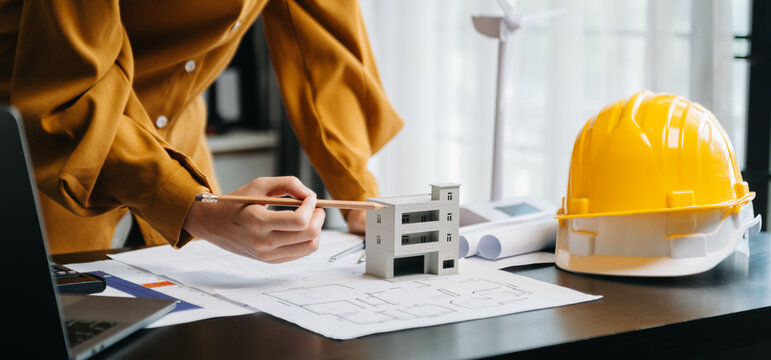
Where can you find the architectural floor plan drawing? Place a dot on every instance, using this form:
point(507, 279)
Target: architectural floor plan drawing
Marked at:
point(347, 309)
point(338, 300)
point(441, 296)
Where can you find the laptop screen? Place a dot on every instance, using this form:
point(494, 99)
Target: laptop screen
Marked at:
point(35, 311)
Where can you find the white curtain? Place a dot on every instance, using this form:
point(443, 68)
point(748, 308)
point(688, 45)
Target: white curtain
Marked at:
point(440, 75)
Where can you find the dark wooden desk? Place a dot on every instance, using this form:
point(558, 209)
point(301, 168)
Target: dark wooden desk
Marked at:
point(723, 313)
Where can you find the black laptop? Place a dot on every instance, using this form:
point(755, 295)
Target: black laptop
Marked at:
point(46, 324)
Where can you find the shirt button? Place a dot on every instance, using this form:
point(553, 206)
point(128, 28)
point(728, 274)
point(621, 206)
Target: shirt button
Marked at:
point(235, 26)
point(161, 122)
point(190, 66)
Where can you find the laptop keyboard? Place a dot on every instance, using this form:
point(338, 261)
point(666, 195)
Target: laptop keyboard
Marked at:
point(80, 331)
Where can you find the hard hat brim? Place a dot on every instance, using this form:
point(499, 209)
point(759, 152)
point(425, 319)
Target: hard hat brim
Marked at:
point(638, 266)
point(728, 204)
point(650, 266)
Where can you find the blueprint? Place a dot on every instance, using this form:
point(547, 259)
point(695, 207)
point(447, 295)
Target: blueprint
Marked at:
point(337, 300)
point(349, 309)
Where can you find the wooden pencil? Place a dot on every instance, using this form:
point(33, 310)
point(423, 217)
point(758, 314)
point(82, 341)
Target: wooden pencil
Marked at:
point(267, 200)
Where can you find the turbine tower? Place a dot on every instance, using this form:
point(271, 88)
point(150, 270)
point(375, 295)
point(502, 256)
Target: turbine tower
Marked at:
point(501, 28)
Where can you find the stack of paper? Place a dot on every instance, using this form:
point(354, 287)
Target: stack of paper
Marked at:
point(336, 299)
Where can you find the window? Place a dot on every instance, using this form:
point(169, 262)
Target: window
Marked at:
point(449, 238)
point(449, 195)
point(613, 49)
point(378, 238)
point(420, 216)
point(379, 219)
point(449, 216)
point(448, 264)
point(420, 238)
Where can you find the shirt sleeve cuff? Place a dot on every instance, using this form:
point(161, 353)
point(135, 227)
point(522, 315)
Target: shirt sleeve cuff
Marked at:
point(171, 205)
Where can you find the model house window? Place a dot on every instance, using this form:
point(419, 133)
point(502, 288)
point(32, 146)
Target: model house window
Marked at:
point(449, 238)
point(420, 216)
point(379, 218)
point(449, 195)
point(449, 216)
point(378, 238)
point(420, 238)
point(448, 264)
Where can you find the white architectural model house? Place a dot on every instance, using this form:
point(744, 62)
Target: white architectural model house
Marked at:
point(414, 234)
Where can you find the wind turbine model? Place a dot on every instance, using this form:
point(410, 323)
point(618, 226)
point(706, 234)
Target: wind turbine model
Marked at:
point(501, 28)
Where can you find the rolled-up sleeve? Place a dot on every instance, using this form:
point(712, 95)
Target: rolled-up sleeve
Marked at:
point(331, 90)
point(93, 146)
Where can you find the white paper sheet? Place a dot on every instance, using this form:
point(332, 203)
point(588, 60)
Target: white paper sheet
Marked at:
point(337, 300)
point(205, 305)
point(206, 267)
point(347, 308)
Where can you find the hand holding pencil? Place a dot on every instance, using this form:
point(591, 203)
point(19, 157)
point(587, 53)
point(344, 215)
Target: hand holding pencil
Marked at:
point(257, 231)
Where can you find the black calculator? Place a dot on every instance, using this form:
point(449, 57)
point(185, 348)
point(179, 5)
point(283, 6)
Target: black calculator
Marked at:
point(69, 281)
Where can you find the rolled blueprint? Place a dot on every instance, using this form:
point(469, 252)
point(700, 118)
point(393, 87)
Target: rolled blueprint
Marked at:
point(470, 235)
point(469, 243)
point(516, 239)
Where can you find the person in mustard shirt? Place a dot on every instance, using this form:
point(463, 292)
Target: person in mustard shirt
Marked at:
point(110, 93)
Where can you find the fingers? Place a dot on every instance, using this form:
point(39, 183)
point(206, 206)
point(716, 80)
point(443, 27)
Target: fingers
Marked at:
point(291, 245)
point(313, 230)
point(292, 252)
point(263, 234)
point(289, 220)
point(282, 185)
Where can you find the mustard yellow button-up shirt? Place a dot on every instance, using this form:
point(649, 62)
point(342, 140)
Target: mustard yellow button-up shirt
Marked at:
point(110, 93)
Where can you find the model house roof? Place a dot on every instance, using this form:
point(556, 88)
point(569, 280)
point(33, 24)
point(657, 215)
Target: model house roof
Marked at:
point(412, 199)
point(404, 199)
point(445, 185)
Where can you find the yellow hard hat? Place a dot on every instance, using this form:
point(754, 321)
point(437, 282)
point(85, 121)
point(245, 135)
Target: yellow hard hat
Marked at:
point(652, 153)
point(653, 190)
